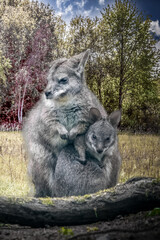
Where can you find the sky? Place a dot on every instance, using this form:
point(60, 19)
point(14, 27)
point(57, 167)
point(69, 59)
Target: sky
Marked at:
point(68, 9)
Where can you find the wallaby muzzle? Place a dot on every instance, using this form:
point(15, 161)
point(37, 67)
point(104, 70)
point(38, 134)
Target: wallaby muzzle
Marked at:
point(48, 94)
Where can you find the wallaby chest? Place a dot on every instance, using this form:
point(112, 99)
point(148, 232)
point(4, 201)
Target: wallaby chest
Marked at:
point(71, 115)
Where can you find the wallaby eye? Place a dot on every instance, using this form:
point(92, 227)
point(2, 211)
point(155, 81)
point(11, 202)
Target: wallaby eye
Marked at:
point(94, 137)
point(63, 80)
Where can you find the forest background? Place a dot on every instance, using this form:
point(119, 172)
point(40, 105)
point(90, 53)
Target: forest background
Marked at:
point(123, 69)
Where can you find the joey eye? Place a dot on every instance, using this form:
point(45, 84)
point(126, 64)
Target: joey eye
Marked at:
point(107, 139)
point(94, 137)
point(63, 80)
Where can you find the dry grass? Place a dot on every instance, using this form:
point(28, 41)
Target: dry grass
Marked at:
point(140, 157)
point(13, 165)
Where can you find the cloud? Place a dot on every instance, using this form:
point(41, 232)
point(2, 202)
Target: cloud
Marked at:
point(80, 9)
point(88, 12)
point(59, 13)
point(68, 9)
point(101, 2)
point(155, 27)
point(81, 3)
point(63, 9)
point(158, 45)
point(61, 3)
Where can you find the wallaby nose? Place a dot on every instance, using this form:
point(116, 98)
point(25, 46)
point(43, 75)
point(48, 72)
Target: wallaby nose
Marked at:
point(99, 151)
point(48, 93)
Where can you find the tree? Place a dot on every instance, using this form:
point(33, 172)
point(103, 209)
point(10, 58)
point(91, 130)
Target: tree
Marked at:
point(31, 78)
point(122, 69)
point(61, 43)
point(132, 53)
point(29, 28)
point(122, 63)
point(84, 34)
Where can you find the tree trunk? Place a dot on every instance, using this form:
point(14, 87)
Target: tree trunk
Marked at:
point(99, 90)
point(135, 195)
point(121, 74)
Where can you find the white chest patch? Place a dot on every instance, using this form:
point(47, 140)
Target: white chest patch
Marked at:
point(49, 103)
point(108, 169)
point(110, 150)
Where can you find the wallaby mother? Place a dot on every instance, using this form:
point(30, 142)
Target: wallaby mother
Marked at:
point(59, 116)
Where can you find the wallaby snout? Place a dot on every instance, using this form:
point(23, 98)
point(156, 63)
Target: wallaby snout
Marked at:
point(48, 94)
point(99, 150)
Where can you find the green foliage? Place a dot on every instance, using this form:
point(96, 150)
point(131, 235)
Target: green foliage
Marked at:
point(47, 201)
point(92, 229)
point(66, 231)
point(122, 70)
point(3, 225)
point(154, 212)
point(4, 66)
point(61, 44)
point(82, 34)
point(132, 48)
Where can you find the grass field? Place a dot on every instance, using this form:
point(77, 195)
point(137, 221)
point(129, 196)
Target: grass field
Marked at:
point(140, 157)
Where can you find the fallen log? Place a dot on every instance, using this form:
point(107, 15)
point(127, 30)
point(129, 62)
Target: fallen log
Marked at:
point(138, 194)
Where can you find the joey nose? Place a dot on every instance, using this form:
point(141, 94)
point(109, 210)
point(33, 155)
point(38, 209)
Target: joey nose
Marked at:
point(99, 151)
point(48, 94)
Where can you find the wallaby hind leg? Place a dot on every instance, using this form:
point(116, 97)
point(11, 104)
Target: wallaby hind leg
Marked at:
point(41, 185)
point(41, 169)
point(42, 190)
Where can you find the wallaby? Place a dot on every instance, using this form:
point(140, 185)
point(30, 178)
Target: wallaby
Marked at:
point(101, 169)
point(59, 116)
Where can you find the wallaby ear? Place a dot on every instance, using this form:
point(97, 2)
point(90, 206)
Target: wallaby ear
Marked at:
point(83, 60)
point(94, 115)
point(56, 63)
point(114, 118)
point(79, 61)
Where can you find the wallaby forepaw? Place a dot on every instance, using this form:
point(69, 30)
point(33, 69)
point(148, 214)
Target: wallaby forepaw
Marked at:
point(64, 136)
point(72, 136)
point(81, 160)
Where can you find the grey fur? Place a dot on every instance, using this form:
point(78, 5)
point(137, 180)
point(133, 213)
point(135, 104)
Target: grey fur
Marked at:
point(59, 116)
point(101, 169)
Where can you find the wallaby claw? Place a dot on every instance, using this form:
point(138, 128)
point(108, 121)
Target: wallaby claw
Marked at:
point(83, 161)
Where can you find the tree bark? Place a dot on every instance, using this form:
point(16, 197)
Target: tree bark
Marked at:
point(138, 194)
point(121, 73)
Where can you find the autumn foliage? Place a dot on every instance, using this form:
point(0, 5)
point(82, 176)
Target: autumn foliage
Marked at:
point(27, 42)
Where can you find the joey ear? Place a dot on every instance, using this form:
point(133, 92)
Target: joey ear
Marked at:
point(94, 115)
point(114, 118)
